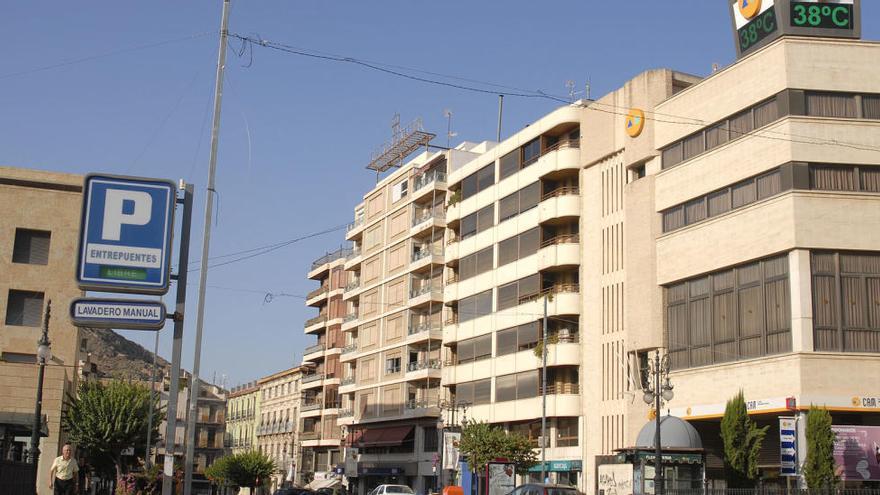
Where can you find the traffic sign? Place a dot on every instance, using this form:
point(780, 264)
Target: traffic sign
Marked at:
point(788, 446)
point(118, 313)
point(125, 234)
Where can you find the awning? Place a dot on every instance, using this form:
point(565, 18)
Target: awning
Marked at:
point(353, 438)
point(384, 437)
point(328, 483)
point(21, 424)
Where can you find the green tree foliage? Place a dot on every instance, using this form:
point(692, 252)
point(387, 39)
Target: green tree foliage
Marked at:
point(245, 470)
point(106, 419)
point(742, 443)
point(483, 443)
point(819, 466)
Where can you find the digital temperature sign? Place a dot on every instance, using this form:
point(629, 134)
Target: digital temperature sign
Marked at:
point(757, 23)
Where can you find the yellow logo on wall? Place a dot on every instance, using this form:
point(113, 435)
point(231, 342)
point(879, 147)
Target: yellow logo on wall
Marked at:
point(635, 122)
point(856, 401)
point(749, 8)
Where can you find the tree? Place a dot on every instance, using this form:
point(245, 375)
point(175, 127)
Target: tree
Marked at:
point(742, 443)
point(106, 419)
point(243, 470)
point(819, 466)
point(483, 443)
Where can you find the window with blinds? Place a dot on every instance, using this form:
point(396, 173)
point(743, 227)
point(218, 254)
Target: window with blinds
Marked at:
point(519, 246)
point(475, 349)
point(24, 308)
point(477, 222)
point(519, 202)
point(729, 315)
point(864, 178)
point(31, 247)
point(517, 386)
point(475, 264)
point(516, 339)
point(474, 393)
point(841, 105)
point(478, 181)
point(517, 292)
point(846, 301)
point(475, 306)
point(871, 106)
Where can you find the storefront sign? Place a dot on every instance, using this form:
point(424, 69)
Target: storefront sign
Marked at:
point(558, 466)
point(857, 452)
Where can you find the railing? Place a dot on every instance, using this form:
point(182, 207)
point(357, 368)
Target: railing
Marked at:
point(312, 378)
point(424, 253)
point(433, 364)
point(311, 406)
point(561, 191)
point(562, 239)
point(349, 380)
point(353, 285)
point(566, 338)
point(419, 404)
point(349, 317)
point(423, 327)
point(561, 145)
point(556, 289)
point(314, 348)
point(353, 254)
point(451, 240)
point(316, 320)
point(420, 291)
point(561, 388)
point(353, 225)
point(345, 413)
point(317, 292)
point(427, 215)
point(332, 405)
point(350, 348)
point(310, 435)
point(427, 178)
point(451, 319)
point(327, 258)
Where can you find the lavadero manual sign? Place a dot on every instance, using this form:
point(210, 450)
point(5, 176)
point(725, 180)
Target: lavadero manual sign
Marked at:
point(125, 234)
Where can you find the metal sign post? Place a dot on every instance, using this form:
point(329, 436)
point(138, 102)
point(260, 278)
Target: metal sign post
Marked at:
point(788, 461)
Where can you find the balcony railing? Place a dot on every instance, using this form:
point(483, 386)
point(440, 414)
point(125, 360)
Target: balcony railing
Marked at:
point(421, 291)
point(316, 320)
point(420, 403)
point(353, 285)
point(350, 348)
point(427, 178)
point(432, 364)
point(310, 435)
point(353, 254)
point(314, 348)
point(561, 145)
point(424, 216)
point(349, 317)
point(317, 292)
point(451, 319)
point(424, 253)
point(327, 258)
point(347, 380)
point(562, 239)
point(312, 406)
point(423, 327)
point(561, 191)
point(345, 413)
point(562, 388)
point(312, 378)
point(353, 225)
point(556, 289)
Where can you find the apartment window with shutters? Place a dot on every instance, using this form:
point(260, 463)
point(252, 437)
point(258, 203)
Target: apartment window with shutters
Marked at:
point(717, 135)
point(518, 292)
point(831, 105)
point(766, 113)
point(516, 386)
point(531, 151)
point(475, 306)
point(846, 301)
point(478, 181)
point(519, 338)
point(474, 393)
point(672, 155)
point(475, 349)
point(31, 247)
point(477, 222)
point(730, 315)
point(741, 124)
point(431, 440)
point(475, 264)
point(509, 164)
point(24, 308)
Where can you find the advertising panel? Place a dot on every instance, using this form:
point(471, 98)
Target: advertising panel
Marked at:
point(857, 452)
point(450, 449)
point(501, 478)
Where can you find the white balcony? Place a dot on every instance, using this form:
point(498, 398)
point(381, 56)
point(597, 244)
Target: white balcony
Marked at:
point(564, 203)
point(564, 250)
point(316, 324)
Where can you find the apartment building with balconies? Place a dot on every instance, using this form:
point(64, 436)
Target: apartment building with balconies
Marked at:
point(243, 417)
point(277, 432)
point(320, 434)
point(514, 249)
point(390, 387)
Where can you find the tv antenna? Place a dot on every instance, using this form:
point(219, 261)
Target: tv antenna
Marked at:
point(449, 134)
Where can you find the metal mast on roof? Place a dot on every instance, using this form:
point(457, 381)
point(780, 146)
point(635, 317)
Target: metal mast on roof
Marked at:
point(404, 141)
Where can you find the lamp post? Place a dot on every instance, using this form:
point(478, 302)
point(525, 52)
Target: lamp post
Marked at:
point(44, 353)
point(658, 389)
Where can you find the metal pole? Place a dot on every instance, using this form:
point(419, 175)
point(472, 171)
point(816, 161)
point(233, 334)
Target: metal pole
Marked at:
point(658, 463)
point(177, 346)
point(500, 112)
point(147, 461)
point(206, 248)
point(37, 425)
point(544, 397)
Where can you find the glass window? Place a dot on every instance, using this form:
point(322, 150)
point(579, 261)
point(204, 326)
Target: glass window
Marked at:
point(482, 392)
point(716, 135)
point(464, 392)
point(508, 250)
point(508, 207)
point(766, 113)
point(507, 296)
point(831, 105)
point(529, 242)
point(871, 107)
point(693, 146)
point(465, 351)
point(469, 186)
point(509, 164)
point(832, 178)
point(673, 218)
point(719, 202)
point(741, 124)
point(485, 260)
point(505, 388)
point(529, 196)
point(531, 151)
point(482, 347)
point(769, 184)
point(672, 155)
point(506, 341)
point(486, 218)
point(24, 308)
point(527, 384)
point(744, 193)
point(31, 247)
point(695, 210)
point(475, 306)
point(527, 336)
point(486, 177)
point(468, 226)
point(529, 286)
point(567, 432)
point(467, 267)
point(870, 178)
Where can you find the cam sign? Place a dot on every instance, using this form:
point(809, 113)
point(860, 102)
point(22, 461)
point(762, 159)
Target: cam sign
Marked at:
point(125, 234)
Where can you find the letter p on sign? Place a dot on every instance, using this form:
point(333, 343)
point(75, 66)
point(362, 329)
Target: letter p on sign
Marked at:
point(115, 215)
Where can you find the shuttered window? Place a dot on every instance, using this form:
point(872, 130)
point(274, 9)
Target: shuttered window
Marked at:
point(519, 246)
point(475, 264)
point(871, 107)
point(509, 164)
point(478, 221)
point(31, 247)
point(831, 178)
point(475, 306)
point(516, 293)
point(474, 393)
point(478, 181)
point(831, 105)
point(475, 349)
point(24, 308)
point(519, 338)
point(846, 301)
point(766, 113)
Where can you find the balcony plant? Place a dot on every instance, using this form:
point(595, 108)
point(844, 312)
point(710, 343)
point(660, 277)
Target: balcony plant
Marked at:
point(454, 199)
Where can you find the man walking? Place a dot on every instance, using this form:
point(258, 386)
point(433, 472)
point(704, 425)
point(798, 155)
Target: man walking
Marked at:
point(63, 475)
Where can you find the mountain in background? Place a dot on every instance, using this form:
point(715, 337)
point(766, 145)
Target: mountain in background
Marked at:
point(118, 357)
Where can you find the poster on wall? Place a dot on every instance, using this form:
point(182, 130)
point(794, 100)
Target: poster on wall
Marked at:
point(501, 478)
point(857, 452)
point(450, 449)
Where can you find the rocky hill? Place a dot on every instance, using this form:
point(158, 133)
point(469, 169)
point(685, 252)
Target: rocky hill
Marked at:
point(118, 357)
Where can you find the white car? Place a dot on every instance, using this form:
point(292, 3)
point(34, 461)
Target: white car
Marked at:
point(392, 490)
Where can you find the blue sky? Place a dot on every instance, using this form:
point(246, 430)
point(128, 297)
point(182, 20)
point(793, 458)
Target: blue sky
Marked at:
point(297, 132)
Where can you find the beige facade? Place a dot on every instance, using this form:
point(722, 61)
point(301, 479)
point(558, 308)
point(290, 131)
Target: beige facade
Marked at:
point(243, 418)
point(38, 238)
point(279, 409)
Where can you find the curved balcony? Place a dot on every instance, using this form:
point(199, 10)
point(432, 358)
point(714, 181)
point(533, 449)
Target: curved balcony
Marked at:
point(560, 205)
point(313, 381)
point(559, 251)
point(316, 324)
point(561, 402)
point(561, 158)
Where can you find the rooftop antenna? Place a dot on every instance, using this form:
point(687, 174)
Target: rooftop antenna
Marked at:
point(572, 94)
point(588, 89)
point(404, 141)
point(449, 134)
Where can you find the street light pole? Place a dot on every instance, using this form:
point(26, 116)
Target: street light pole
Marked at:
point(544, 396)
point(657, 391)
point(43, 355)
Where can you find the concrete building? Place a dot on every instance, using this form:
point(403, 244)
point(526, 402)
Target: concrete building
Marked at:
point(39, 231)
point(242, 417)
point(320, 433)
point(390, 391)
point(278, 415)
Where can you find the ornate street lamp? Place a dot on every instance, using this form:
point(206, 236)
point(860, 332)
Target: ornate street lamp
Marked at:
point(44, 354)
point(658, 389)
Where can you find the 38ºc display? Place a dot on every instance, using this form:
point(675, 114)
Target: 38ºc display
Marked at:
point(822, 15)
point(757, 29)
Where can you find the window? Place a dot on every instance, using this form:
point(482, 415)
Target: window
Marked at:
point(430, 439)
point(531, 151)
point(478, 181)
point(741, 124)
point(566, 432)
point(846, 301)
point(31, 247)
point(519, 202)
point(716, 135)
point(871, 107)
point(477, 222)
point(832, 178)
point(475, 349)
point(474, 393)
point(766, 113)
point(744, 193)
point(693, 146)
point(399, 191)
point(475, 264)
point(729, 315)
point(831, 105)
point(516, 386)
point(518, 247)
point(515, 293)
point(519, 338)
point(24, 308)
point(672, 155)
point(509, 164)
point(475, 306)
point(505, 388)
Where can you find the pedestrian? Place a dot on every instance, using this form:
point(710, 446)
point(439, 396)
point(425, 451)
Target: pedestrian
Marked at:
point(64, 475)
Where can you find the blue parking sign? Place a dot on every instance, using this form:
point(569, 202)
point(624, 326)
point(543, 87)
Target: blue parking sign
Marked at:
point(125, 234)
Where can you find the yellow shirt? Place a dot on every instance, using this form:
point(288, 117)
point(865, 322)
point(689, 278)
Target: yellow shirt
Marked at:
point(64, 470)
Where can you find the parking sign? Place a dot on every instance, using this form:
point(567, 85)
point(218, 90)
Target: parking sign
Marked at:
point(125, 234)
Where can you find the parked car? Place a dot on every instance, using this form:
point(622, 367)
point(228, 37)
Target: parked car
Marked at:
point(544, 489)
point(392, 490)
point(293, 491)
